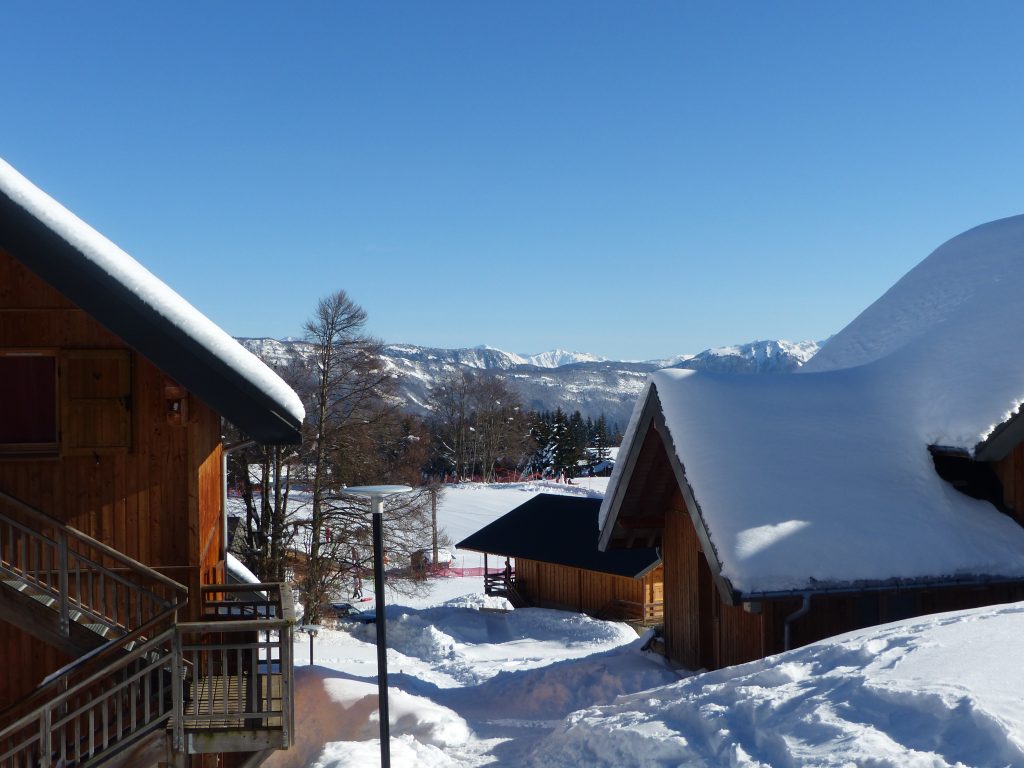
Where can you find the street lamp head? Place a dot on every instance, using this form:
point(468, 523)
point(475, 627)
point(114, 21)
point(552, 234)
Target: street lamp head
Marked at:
point(370, 491)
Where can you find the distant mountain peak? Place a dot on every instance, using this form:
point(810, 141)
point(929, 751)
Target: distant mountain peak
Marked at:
point(567, 380)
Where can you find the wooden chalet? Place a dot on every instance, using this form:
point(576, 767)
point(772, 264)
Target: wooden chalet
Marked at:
point(884, 481)
point(710, 623)
point(553, 540)
point(122, 643)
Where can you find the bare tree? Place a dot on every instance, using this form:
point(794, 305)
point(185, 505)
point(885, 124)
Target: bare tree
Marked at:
point(477, 421)
point(263, 475)
point(355, 436)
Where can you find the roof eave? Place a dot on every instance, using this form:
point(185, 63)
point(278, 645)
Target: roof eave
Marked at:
point(881, 585)
point(1002, 440)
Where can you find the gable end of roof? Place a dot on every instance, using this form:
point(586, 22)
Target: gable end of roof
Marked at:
point(113, 304)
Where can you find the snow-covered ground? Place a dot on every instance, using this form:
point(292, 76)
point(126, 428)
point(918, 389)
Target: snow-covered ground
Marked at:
point(472, 684)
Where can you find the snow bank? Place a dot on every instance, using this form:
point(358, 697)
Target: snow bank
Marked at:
point(467, 646)
point(333, 711)
point(140, 281)
point(934, 691)
point(553, 691)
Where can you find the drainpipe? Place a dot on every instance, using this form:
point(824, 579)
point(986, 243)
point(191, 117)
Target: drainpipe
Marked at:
point(800, 612)
point(225, 451)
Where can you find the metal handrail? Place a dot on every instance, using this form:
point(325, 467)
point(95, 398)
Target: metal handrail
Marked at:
point(60, 568)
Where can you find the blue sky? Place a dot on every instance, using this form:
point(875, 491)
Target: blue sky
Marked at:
point(634, 180)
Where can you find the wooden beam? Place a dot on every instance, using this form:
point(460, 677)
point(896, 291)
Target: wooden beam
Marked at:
point(654, 522)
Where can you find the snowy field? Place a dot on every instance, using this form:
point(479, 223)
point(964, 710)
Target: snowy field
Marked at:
point(474, 685)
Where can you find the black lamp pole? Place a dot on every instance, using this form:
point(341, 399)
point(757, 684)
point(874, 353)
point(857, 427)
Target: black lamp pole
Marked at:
point(376, 494)
point(377, 505)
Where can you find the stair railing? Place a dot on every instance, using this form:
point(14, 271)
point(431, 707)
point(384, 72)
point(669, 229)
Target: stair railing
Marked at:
point(106, 699)
point(88, 580)
point(153, 668)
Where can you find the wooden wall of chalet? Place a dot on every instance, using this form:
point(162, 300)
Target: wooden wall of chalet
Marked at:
point(701, 631)
point(835, 614)
point(1011, 473)
point(575, 589)
point(157, 500)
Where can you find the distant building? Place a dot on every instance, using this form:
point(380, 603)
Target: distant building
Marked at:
point(553, 540)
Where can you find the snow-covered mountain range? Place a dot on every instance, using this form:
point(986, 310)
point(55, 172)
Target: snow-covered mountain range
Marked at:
point(548, 380)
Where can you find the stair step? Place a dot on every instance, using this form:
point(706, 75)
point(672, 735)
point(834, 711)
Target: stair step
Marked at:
point(16, 584)
point(46, 599)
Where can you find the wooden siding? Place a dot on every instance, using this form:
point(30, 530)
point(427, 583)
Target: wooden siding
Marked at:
point(701, 631)
point(576, 589)
point(835, 614)
point(149, 488)
point(679, 554)
point(1011, 473)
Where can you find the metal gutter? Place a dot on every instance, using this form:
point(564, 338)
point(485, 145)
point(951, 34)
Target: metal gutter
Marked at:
point(803, 610)
point(225, 451)
point(895, 585)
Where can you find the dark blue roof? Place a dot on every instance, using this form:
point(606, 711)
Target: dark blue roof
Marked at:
point(562, 530)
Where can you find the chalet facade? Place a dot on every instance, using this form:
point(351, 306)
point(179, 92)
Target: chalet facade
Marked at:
point(868, 489)
point(122, 641)
point(553, 540)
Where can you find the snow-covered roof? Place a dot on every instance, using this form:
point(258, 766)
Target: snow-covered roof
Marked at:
point(552, 528)
point(238, 572)
point(130, 301)
point(824, 478)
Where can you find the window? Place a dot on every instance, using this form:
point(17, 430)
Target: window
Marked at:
point(28, 401)
point(76, 402)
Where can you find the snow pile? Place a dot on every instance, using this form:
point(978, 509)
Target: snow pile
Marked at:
point(555, 690)
point(898, 695)
point(950, 328)
point(458, 644)
point(123, 268)
point(468, 687)
point(336, 710)
point(825, 478)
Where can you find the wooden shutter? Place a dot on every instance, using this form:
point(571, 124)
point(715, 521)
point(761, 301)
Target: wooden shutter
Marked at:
point(96, 402)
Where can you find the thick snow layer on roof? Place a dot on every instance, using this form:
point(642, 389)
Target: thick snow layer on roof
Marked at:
point(950, 330)
point(126, 270)
point(236, 568)
point(824, 477)
point(828, 479)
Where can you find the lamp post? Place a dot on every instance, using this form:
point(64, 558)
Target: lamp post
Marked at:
point(376, 494)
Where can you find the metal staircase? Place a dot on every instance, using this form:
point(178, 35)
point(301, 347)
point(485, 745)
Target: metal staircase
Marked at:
point(221, 684)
